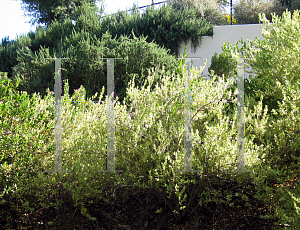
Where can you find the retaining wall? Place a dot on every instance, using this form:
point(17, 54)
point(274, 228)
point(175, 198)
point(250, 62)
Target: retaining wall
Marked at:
point(222, 34)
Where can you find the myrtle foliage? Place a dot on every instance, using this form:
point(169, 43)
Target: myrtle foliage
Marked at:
point(291, 4)
point(247, 11)
point(268, 58)
point(8, 55)
point(275, 62)
point(149, 148)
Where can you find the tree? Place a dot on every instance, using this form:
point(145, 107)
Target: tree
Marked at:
point(43, 11)
point(223, 3)
point(210, 10)
point(246, 11)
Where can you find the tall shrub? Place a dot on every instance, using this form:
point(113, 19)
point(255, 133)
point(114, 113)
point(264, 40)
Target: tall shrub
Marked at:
point(165, 26)
point(8, 53)
point(275, 57)
point(85, 66)
point(223, 63)
point(267, 58)
point(246, 11)
point(210, 10)
point(77, 41)
point(275, 61)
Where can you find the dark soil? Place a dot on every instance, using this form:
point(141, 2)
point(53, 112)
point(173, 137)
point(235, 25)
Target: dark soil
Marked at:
point(137, 210)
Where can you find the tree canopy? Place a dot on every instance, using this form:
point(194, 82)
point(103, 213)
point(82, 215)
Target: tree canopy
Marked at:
point(46, 11)
point(210, 10)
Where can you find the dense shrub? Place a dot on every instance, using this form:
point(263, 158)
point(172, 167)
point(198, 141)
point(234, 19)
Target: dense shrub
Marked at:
point(223, 64)
point(24, 133)
point(44, 12)
point(84, 66)
point(81, 43)
point(266, 62)
point(275, 57)
point(210, 10)
point(246, 11)
point(275, 62)
point(8, 54)
point(149, 148)
point(165, 26)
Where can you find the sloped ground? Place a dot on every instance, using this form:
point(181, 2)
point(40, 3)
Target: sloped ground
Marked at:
point(135, 208)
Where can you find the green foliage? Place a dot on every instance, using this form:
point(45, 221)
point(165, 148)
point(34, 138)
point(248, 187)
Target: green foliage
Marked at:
point(8, 55)
point(8, 49)
point(284, 133)
point(88, 40)
point(247, 11)
point(148, 156)
point(166, 26)
point(281, 192)
point(161, 133)
point(150, 148)
point(210, 10)
point(48, 11)
point(275, 62)
point(286, 3)
point(84, 66)
point(223, 64)
point(23, 134)
point(268, 58)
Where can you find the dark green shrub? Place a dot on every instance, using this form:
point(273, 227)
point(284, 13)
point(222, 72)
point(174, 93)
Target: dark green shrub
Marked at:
point(165, 26)
point(223, 64)
point(8, 55)
point(81, 43)
point(86, 68)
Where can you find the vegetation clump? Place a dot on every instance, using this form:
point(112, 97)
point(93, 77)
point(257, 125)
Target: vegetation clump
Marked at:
point(151, 148)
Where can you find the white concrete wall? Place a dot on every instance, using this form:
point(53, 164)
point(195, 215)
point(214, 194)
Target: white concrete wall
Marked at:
point(221, 34)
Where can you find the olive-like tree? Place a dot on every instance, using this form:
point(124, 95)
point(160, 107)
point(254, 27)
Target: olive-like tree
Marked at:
point(42, 11)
